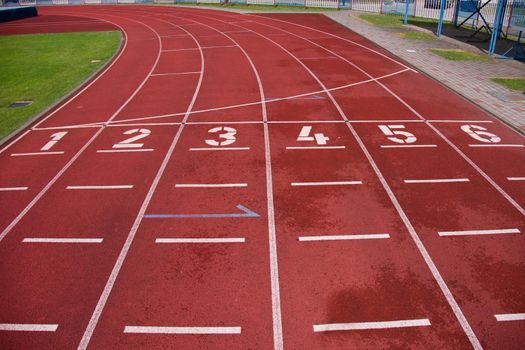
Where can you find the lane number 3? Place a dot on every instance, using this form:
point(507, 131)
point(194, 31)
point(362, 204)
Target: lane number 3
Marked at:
point(225, 134)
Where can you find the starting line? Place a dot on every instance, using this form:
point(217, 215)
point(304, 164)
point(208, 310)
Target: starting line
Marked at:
point(18, 327)
point(370, 325)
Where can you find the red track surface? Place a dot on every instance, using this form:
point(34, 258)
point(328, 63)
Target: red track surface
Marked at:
point(273, 287)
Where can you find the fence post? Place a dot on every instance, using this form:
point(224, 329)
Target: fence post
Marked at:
point(406, 11)
point(441, 15)
point(496, 28)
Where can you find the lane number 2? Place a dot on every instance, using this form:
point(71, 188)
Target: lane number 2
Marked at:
point(225, 134)
point(304, 135)
point(396, 135)
point(479, 133)
point(54, 139)
point(130, 142)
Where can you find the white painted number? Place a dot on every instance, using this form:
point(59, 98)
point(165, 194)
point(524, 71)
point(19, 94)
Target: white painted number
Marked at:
point(479, 133)
point(390, 130)
point(54, 139)
point(304, 135)
point(228, 136)
point(129, 143)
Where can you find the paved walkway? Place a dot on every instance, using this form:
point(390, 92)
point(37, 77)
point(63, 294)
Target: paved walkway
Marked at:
point(470, 79)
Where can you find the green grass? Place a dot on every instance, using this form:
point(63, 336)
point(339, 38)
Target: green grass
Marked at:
point(260, 7)
point(417, 36)
point(44, 67)
point(517, 84)
point(396, 21)
point(459, 55)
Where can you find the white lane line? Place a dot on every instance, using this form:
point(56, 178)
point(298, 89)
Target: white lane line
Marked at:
point(516, 178)
point(90, 187)
point(316, 147)
point(329, 183)
point(497, 145)
point(28, 327)
point(125, 150)
point(182, 330)
point(200, 240)
point(93, 322)
point(459, 121)
point(408, 146)
point(36, 154)
point(478, 232)
point(219, 149)
point(370, 325)
point(62, 240)
point(180, 73)
point(343, 237)
point(510, 317)
point(317, 58)
point(210, 185)
point(426, 181)
point(5, 189)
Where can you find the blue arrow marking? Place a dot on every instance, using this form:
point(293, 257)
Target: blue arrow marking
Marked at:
point(246, 213)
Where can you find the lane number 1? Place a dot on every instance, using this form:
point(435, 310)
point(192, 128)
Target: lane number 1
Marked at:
point(54, 139)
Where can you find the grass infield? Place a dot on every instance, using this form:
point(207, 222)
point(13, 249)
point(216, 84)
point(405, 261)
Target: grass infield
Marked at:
point(517, 84)
point(44, 67)
point(459, 55)
point(396, 21)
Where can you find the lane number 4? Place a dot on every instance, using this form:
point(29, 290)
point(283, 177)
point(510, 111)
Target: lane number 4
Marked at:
point(305, 135)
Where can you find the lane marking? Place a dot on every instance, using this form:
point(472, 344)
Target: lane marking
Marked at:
point(36, 154)
point(210, 185)
point(329, 183)
point(245, 213)
point(200, 240)
point(179, 73)
point(220, 149)
point(101, 187)
point(516, 178)
point(202, 47)
point(344, 237)
point(317, 58)
point(510, 317)
point(62, 240)
point(407, 146)
point(478, 232)
point(3, 189)
point(371, 325)
point(182, 330)
point(497, 145)
point(90, 328)
point(315, 147)
point(458, 121)
point(125, 150)
point(20, 327)
point(425, 181)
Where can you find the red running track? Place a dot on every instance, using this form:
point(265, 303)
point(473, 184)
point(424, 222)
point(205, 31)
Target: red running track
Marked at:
point(253, 182)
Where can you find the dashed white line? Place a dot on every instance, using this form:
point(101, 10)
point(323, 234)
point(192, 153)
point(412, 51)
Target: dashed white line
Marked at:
point(110, 187)
point(20, 327)
point(370, 325)
point(479, 232)
point(425, 181)
point(219, 149)
point(182, 330)
point(344, 237)
point(408, 146)
point(211, 185)
point(200, 240)
point(5, 189)
point(125, 150)
point(179, 73)
point(497, 145)
point(316, 147)
point(36, 154)
point(329, 183)
point(62, 240)
point(516, 178)
point(510, 317)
